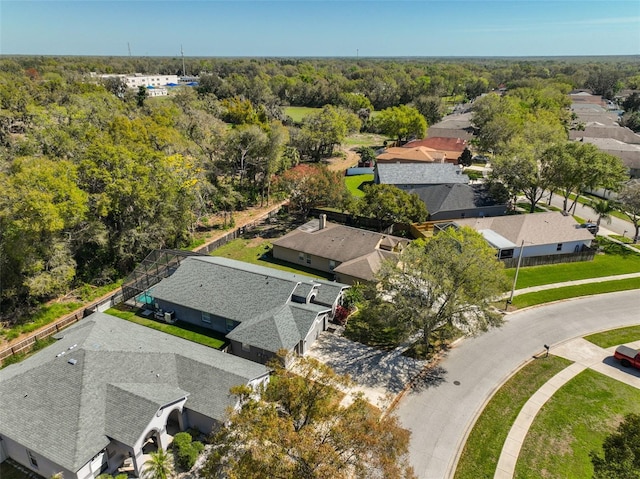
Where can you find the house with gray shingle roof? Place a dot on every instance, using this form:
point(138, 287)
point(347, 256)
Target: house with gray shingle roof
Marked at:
point(451, 201)
point(354, 255)
point(408, 175)
point(260, 310)
point(109, 389)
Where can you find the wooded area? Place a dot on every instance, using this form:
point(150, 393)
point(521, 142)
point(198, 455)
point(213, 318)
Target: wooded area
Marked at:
point(93, 176)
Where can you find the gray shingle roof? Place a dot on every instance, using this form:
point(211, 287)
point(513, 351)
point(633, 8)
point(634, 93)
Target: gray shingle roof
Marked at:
point(329, 291)
point(255, 296)
point(64, 412)
point(227, 288)
point(419, 174)
point(439, 198)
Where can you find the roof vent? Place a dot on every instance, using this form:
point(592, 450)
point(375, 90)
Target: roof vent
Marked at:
point(60, 354)
point(72, 361)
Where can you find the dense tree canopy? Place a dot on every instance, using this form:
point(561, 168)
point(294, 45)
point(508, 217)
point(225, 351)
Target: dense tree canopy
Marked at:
point(140, 173)
point(298, 427)
point(402, 122)
point(389, 204)
point(450, 279)
point(629, 199)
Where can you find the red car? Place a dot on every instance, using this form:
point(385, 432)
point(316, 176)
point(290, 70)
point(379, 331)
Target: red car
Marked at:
point(628, 356)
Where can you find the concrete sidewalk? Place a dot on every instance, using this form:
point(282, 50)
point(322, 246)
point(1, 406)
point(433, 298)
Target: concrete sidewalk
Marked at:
point(585, 355)
point(601, 279)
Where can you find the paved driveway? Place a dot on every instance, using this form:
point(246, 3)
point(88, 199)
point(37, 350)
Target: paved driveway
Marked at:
point(441, 411)
point(380, 375)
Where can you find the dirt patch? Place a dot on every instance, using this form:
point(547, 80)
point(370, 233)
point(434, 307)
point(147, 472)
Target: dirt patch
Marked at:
point(257, 241)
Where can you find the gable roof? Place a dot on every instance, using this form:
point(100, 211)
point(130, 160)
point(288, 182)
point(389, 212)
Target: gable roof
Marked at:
point(598, 130)
point(281, 328)
point(257, 297)
point(227, 288)
point(417, 153)
point(122, 372)
point(419, 174)
point(454, 197)
point(439, 143)
point(334, 241)
point(343, 244)
point(533, 229)
point(365, 267)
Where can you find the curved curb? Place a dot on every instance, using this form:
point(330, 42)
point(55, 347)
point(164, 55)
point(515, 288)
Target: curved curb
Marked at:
point(451, 470)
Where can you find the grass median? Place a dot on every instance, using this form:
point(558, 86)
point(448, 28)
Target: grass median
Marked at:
point(484, 444)
point(558, 294)
point(614, 337)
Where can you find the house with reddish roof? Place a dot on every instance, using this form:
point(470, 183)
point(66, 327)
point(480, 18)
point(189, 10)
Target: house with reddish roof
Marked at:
point(451, 147)
point(417, 154)
point(354, 255)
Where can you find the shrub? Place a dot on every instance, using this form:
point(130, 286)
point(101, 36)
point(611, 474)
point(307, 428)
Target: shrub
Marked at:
point(341, 315)
point(186, 450)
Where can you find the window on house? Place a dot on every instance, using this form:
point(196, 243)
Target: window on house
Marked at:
point(559, 247)
point(332, 264)
point(246, 347)
point(301, 256)
point(308, 258)
point(206, 317)
point(32, 459)
point(230, 325)
point(506, 253)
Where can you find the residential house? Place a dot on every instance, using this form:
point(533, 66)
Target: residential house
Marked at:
point(628, 153)
point(451, 147)
point(352, 254)
point(418, 154)
point(107, 392)
point(532, 235)
point(260, 310)
point(410, 175)
point(456, 125)
point(458, 200)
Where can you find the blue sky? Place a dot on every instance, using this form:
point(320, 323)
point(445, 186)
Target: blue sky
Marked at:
point(321, 28)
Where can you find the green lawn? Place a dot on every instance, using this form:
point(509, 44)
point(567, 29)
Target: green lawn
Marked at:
point(182, 330)
point(557, 294)
point(617, 260)
point(355, 183)
point(527, 207)
point(573, 423)
point(626, 240)
point(484, 444)
point(606, 339)
point(257, 251)
point(365, 139)
point(297, 113)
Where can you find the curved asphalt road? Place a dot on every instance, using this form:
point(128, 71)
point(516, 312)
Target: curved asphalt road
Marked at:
point(439, 413)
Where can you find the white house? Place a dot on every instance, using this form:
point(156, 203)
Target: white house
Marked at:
point(108, 392)
point(537, 234)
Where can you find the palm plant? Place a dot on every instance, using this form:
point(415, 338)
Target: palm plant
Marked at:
point(603, 209)
point(158, 466)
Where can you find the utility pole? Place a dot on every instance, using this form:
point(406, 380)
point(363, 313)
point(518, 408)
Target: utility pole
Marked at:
point(184, 72)
point(129, 48)
point(357, 53)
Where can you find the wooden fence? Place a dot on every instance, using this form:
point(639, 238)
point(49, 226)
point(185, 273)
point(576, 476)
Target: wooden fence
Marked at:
point(586, 255)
